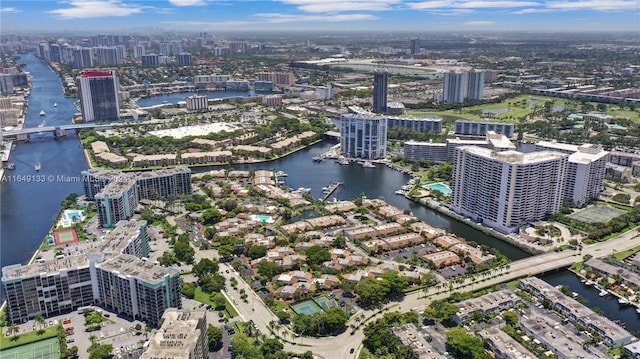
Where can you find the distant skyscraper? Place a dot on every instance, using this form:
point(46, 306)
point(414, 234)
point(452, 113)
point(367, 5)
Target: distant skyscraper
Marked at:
point(138, 51)
point(82, 57)
point(475, 86)
point(99, 96)
point(184, 59)
point(54, 52)
point(455, 87)
point(380, 79)
point(150, 60)
point(363, 135)
point(461, 87)
point(415, 46)
point(108, 56)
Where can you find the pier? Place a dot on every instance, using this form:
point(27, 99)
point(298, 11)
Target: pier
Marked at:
point(332, 188)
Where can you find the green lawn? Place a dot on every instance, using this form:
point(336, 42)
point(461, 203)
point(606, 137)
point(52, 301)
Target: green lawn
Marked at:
point(25, 338)
point(518, 109)
point(628, 253)
point(203, 297)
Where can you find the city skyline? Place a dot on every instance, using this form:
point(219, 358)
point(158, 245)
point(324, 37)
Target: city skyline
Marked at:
point(315, 15)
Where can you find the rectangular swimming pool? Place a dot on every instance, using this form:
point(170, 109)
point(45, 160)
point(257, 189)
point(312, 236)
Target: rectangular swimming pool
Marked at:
point(443, 188)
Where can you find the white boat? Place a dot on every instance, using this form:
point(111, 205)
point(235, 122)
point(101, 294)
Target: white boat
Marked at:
point(623, 301)
point(368, 164)
point(325, 188)
point(588, 282)
point(603, 293)
point(281, 174)
point(574, 294)
point(400, 192)
point(55, 104)
point(42, 113)
point(37, 167)
point(638, 310)
point(304, 190)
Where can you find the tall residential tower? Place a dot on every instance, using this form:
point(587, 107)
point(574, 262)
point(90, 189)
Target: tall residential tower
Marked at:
point(99, 96)
point(363, 135)
point(380, 79)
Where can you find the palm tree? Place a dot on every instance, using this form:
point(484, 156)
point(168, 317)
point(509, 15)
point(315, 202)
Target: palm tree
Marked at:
point(14, 329)
point(39, 320)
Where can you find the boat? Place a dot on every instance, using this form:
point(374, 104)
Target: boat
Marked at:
point(10, 166)
point(368, 164)
point(42, 113)
point(603, 293)
point(588, 282)
point(623, 301)
point(325, 188)
point(400, 192)
point(574, 294)
point(638, 310)
point(281, 174)
point(55, 104)
point(37, 167)
point(304, 190)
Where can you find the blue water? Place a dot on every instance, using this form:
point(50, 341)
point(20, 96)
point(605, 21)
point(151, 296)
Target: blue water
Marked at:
point(262, 218)
point(441, 187)
point(174, 98)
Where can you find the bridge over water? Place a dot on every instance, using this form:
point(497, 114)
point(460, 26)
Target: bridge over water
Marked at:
point(57, 131)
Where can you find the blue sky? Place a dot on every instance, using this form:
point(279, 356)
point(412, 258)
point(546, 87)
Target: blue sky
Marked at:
point(417, 16)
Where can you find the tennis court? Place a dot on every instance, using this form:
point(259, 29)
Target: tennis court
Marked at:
point(44, 349)
point(308, 307)
point(597, 214)
point(326, 303)
point(66, 236)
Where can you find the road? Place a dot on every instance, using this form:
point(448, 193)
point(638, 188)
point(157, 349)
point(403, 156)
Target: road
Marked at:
point(340, 345)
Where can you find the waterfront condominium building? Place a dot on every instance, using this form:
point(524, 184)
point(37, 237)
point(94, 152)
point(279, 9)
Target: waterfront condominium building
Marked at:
point(480, 128)
point(445, 152)
point(506, 189)
point(464, 86)
point(586, 170)
point(183, 334)
point(99, 96)
point(363, 135)
point(197, 103)
point(82, 57)
point(416, 124)
point(380, 82)
point(164, 183)
point(114, 274)
point(95, 179)
point(117, 201)
point(150, 60)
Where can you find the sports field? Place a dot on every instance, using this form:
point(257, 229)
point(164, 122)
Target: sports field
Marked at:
point(326, 303)
point(597, 214)
point(308, 307)
point(44, 349)
point(66, 236)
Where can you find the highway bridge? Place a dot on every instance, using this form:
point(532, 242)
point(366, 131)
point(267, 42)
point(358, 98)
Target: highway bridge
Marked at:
point(58, 131)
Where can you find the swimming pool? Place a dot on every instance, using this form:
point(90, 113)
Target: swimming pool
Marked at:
point(441, 187)
point(262, 218)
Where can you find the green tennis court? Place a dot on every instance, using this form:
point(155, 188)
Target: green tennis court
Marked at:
point(308, 307)
point(597, 214)
point(66, 236)
point(44, 349)
point(326, 303)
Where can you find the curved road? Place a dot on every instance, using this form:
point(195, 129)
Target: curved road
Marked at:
point(339, 346)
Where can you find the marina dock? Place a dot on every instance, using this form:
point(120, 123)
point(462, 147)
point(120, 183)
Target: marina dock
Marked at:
point(329, 191)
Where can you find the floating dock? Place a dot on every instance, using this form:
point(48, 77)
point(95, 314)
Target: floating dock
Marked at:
point(332, 188)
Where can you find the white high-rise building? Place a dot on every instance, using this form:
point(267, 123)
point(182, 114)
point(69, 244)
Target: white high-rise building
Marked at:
point(507, 189)
point(363, 135)
point(461, 87)
point(586, 170)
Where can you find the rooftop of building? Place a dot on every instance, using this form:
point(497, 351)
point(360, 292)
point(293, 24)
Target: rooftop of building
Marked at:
point(164, 172)
point(179, 334)
point(514, 157)
point(49, 267)
point(120, 237)
point(128, 265)
point(486, 302)
point(116, 188)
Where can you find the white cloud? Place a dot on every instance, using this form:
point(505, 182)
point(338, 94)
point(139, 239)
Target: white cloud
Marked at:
point(473, 4)
point(479, 23)
point(187, 2)
point(532, 11)
point(81, 9)
point(331, 6)
point(9, 10)
point(274, 18)
point(596, 5)
point(494, 4)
